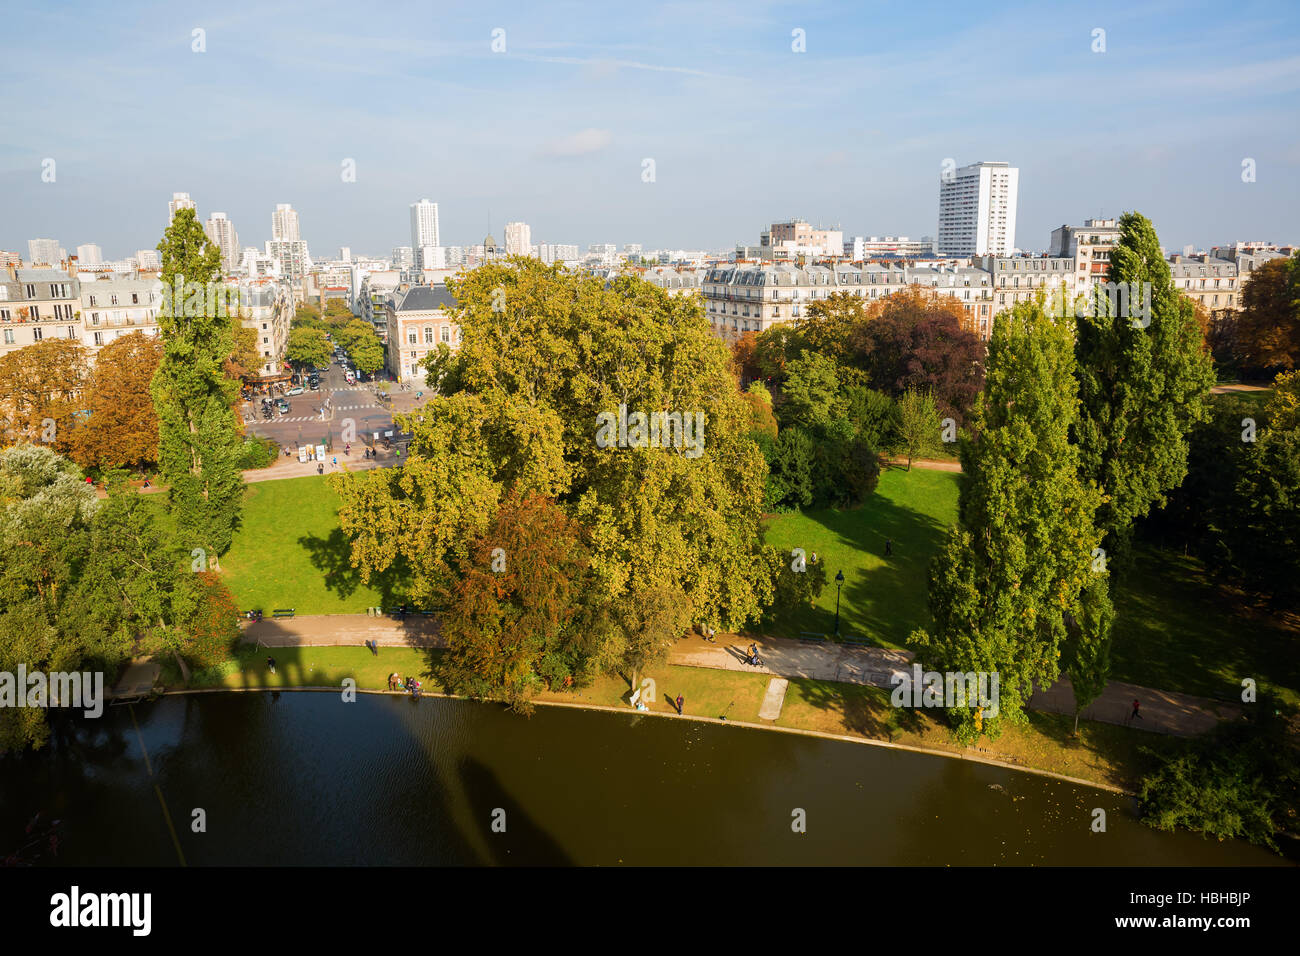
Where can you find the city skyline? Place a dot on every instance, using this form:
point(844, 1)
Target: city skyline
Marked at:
point(555, 130)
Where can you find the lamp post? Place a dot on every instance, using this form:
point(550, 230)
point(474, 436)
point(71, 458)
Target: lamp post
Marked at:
point(839, 583)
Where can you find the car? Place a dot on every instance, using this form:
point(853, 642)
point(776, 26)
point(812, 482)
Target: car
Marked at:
point(296, 390)
point(283, 405)
point(315, 386)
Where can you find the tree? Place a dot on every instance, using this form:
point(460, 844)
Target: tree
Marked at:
point(46, 516)
point(1142, 386)
point(244, 361)
point(919, 427)
point(1268, 328)
point(42, 388)
point(308, 348)
point(1009, 574)
point(790, 469)
point(121, 430)
point(874, 415)
point(919, 339)
point(761, 419)
point(359, 340)
point(545, 357)
point(811, 393)
point(744, 353)
point(199, 436)
point(513, 623)
point(1087, 649)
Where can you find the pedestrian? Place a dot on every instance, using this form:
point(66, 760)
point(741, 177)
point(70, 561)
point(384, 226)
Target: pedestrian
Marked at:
point(1135, 714)
point(680, 702)
point(336, 461)
point(320, 469)
point(889, 547)
point(374, 648)
point(270, 663)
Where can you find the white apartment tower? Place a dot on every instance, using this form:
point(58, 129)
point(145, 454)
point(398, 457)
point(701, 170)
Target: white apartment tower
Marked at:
point(179, 201)
point(221, 231)
point(43, 252)
point(977, 210)
point(519, 239)
point(284, 223)
point(424, 229)
point(90, 255)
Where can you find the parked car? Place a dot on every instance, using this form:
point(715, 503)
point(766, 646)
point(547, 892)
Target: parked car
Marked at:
point(283, 405)
point(296, 390)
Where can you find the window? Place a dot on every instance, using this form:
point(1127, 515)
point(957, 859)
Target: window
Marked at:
point(428, 335)
point(410, 337)
point(36, 312)
point(9, 336)
point(31, 291)
point(112, 299)
point(94, 318)
point(99, 338)
point(446, 333)
point(92, 300)
point(37, 334)
point(72, 331)
point(135, 298)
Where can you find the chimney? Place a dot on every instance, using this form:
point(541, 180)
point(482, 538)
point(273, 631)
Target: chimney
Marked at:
point(13, 271)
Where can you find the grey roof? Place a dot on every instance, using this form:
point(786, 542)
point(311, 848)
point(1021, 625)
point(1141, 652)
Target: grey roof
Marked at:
point(426, 298)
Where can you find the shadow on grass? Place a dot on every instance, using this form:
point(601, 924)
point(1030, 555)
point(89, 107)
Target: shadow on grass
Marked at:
point(332, 556)
point(864, 710)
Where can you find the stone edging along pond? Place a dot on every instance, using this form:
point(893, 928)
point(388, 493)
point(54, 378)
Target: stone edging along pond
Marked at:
point(846, 738)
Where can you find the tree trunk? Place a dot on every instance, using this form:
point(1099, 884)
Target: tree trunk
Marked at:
point(185, 670)
point(1076, 723)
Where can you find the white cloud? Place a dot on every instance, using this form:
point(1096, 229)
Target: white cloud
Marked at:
point(580, 143)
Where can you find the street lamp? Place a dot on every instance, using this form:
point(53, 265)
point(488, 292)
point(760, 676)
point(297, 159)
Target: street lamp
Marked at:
point(839, 583)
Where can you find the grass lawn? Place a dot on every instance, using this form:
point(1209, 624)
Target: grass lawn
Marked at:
point(1176, 630)
point(1102, 752)
point(882, 599)
point(290, 552)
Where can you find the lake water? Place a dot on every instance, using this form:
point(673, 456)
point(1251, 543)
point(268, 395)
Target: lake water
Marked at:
point(304, 778)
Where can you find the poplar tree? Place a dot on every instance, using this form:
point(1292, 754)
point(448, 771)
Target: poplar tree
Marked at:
point(198, 434)
point(1142, 384)
point(1008, 578)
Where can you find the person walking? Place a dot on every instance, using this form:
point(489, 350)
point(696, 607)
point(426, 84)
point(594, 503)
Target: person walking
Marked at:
point(680, 702)
point(1135, 715)
point(889, 547)
point(270, 663)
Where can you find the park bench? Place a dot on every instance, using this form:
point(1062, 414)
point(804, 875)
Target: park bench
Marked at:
point(282, 612)
point(809, 637)
point(856, 642)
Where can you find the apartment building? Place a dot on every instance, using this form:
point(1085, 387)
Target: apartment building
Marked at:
point(860, 248)
point(1090, 246)
point(977, 210)
point(1019, 279)
point(795, 238)
point(1210, 282)
point(418, 321)
point(683, 281)
point(267, 307)
point(752, 297)
point(37, 304)
point(114, 307)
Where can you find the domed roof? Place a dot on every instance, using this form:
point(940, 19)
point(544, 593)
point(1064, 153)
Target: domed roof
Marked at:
point(489, 242)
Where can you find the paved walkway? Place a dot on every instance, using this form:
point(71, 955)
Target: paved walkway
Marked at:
point(1162, 711)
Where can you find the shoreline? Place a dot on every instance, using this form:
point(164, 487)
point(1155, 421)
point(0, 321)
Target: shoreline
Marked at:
point(824, 735)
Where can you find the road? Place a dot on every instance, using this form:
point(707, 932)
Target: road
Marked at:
point(318, 416)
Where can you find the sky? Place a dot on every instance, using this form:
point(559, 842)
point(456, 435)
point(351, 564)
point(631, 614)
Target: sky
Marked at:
point(555, 130)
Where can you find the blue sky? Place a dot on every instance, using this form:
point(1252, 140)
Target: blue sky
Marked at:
point(743, 130)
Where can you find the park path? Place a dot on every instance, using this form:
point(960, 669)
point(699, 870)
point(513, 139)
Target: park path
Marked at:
point(1164, 712)
point(1221, 389)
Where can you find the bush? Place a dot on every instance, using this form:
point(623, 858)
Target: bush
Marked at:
point(1240, 781)
point(257, 452)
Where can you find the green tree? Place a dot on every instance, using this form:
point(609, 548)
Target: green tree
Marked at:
point(1142, 386)
point(1010, 571)
point(919, 427)
point(359, 340)
point(308, 348)
point(198, 436)
point(543, 354)
point(1087, 651)
point(46, 518)
point(811, 392)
